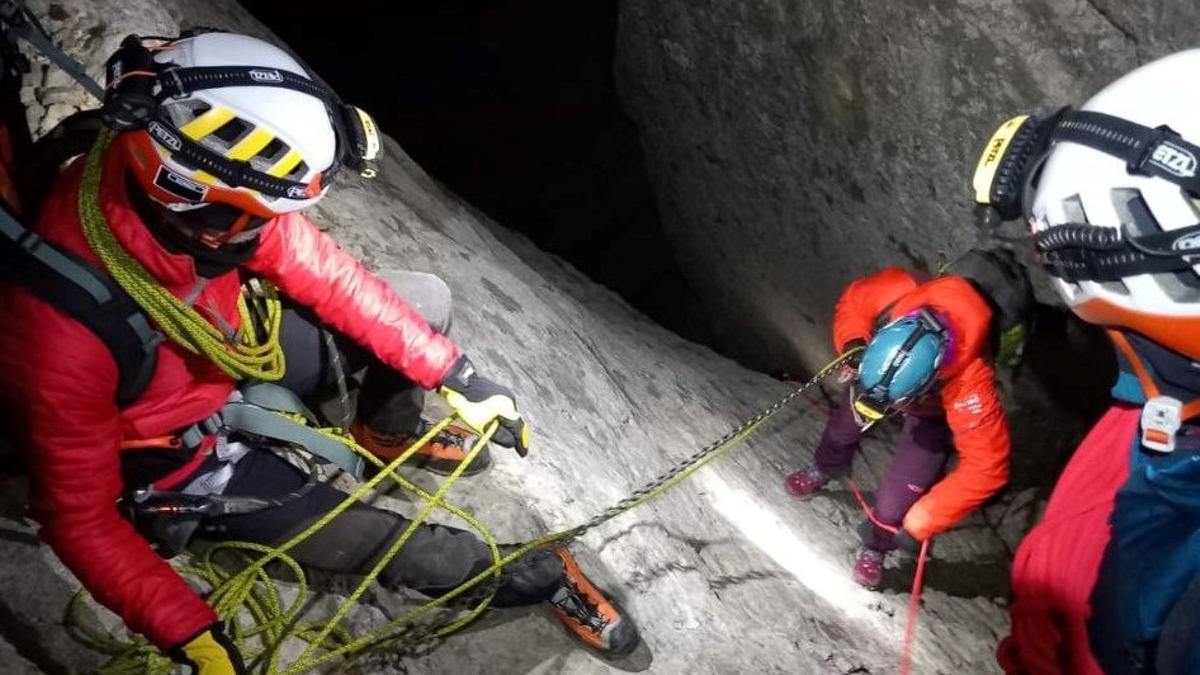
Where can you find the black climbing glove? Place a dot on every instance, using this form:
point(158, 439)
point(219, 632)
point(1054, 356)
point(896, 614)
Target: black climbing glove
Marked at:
point(210, 653)
point(479, 402)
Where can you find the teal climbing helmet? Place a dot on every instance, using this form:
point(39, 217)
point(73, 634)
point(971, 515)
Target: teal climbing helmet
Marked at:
point(900, 364)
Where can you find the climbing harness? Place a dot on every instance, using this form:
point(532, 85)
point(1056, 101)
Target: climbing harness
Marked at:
point(274, 622)
point(168, 518)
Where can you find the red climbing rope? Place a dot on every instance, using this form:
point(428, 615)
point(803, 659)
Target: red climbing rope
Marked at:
point(914, 610)
point(914, 598)
point(867, 509)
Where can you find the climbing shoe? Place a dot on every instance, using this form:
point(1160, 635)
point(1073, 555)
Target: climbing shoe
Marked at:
point(589, 614)
point(442, 455)
point(805, 482)
point(868, 568)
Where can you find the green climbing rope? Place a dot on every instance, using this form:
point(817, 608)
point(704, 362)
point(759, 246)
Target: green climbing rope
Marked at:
point(250, 591)
point(240, 356)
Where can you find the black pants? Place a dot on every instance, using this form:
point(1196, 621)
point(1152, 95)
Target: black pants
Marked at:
point(436, 558)
point(388, 402)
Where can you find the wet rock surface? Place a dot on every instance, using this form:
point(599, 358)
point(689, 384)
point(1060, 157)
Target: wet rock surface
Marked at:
point(725, 574)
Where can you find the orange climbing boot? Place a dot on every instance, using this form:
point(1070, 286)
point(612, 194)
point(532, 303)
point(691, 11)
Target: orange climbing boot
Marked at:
point(441, 455)
point(590, 615)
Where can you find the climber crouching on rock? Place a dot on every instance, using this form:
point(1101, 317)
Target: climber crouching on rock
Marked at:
point(924, 352)
point(180, 209)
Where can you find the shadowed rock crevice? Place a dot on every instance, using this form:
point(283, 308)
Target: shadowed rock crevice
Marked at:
point(511, 104)
point(26, 640)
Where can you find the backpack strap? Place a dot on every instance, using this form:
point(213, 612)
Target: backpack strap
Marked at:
point(75, 288)
point(1002, 282)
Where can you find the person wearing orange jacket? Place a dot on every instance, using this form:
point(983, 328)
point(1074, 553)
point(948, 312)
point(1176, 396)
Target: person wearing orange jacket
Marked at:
point(924, 354)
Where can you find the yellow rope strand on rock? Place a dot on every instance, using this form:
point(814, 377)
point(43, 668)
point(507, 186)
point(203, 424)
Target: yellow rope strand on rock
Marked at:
point(239, 356)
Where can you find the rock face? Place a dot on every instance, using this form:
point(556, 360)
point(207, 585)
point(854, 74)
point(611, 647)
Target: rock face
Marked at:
point(795, 145)
point(725, 574)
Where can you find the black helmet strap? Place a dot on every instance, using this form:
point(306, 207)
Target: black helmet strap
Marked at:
point(1076, 252)
point(1160, 152)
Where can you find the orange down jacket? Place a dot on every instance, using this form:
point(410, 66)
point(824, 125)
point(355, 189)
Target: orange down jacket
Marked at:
point(966, 383)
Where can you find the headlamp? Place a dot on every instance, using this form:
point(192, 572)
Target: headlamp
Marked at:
point(137, 85)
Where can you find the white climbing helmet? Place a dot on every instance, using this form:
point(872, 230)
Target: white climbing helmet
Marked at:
point(1115, 213)
point(231, 119)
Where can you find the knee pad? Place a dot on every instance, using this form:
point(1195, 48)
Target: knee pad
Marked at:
point(437, 559)
point(426, 293)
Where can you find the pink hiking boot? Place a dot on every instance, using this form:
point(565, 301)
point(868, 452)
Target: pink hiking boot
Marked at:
point(805, 482)
point(868, 568)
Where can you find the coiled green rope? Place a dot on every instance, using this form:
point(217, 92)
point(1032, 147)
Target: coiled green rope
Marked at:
point(241, 357)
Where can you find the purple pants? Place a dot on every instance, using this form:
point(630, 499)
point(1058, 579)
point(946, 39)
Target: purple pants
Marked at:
point(917, 463)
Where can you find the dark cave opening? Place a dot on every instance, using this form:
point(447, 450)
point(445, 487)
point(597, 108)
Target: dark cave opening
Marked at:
point(512, 105)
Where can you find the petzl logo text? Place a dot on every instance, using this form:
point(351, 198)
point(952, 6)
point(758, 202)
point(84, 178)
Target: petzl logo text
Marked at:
point(180, 186)
point(994, 149)
point(165, 136)
point(266, 76)
point(1174, 160)
point(297, 193)
point(1188, 242)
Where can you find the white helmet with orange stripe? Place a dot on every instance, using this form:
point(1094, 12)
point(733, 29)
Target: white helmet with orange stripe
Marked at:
point(231, 119)
point(1114, 208)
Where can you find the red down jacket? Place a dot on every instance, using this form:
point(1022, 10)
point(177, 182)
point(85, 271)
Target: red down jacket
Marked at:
point(1058, 561)
point(58, 381)
point(968, 391)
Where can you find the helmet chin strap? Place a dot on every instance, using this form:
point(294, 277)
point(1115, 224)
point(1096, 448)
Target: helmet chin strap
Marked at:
point(168, 229)
point(179, 207)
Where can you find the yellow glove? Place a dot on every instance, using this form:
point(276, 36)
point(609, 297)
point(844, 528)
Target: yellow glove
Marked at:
point(210, 653)
point(479, 402)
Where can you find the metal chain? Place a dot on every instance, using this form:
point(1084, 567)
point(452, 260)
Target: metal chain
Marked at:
point(662, 479)
point(405, 644)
